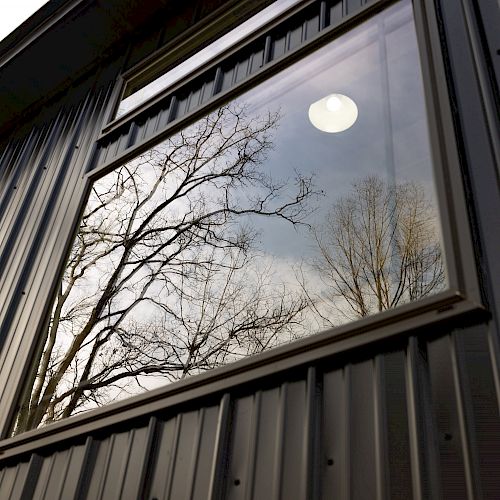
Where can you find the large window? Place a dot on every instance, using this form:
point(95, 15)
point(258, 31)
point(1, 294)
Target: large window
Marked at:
point(300, 205)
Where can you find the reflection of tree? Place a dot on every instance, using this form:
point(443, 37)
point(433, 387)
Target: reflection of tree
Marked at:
point(162, 279)
point(377, 248)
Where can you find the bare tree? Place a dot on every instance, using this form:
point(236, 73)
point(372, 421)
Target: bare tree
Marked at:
point(378, 248)
point(163, 279)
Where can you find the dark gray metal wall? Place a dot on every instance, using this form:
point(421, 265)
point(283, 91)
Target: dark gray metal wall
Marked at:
point(39, 200)
point(417, 420)
point(416, 416)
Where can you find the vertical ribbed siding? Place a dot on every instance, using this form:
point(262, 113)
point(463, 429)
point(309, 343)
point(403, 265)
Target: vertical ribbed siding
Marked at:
point(419, 420)
point(398, 472)
point(182, 464)
point(42, 189)
point(415, 420)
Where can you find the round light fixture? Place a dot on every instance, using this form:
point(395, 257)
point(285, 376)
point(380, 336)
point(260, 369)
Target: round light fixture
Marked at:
point(334, 113)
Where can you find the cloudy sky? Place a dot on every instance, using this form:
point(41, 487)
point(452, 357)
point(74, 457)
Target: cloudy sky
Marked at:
point(14, 12)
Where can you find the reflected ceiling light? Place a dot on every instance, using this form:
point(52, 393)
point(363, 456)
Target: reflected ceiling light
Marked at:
point(333, 113)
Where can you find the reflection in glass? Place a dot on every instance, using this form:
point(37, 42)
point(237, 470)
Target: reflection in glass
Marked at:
point(135, 96)
point(334, 113)
point(249, 229)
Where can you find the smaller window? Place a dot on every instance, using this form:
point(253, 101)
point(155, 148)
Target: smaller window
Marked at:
point(153, 80)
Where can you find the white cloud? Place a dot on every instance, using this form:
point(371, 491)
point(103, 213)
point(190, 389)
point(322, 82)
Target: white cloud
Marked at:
point(15, 12)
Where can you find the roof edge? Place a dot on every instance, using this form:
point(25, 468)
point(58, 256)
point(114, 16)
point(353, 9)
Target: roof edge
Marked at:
point(35, 26)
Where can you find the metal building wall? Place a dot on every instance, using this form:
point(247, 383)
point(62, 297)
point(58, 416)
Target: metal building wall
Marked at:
point(418, 419)
point(412, 417)
point(39, 200)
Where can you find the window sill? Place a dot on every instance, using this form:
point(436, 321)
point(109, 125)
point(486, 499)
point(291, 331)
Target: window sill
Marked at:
point(448, 307)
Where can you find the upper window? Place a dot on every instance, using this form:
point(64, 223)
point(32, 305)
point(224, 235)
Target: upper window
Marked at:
point(154, 79)
point(302, 204)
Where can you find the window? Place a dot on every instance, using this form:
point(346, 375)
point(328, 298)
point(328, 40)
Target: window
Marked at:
point(302, 204)
point(153, 80)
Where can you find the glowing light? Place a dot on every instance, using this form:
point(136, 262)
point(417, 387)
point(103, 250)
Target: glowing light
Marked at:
point(334, 113)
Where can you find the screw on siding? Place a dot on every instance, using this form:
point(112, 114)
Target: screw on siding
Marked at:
point(330, 461)
point(447, 436)
point(236, 482)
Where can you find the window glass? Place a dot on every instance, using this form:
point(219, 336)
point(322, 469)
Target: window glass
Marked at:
point(134, 97)
point(303, 204)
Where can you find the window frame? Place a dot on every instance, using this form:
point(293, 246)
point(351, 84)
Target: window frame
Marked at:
point(463, 296)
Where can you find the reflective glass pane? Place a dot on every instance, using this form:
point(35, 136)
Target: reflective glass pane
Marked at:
point(305, 203)
point(134, 97)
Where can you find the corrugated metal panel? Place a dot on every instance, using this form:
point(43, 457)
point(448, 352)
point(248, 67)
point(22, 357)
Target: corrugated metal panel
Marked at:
point(42, 187)
point(60, 475)
point(418, 420)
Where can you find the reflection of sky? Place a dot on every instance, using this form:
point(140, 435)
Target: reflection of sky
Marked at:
point(376, 65)
point(350, 66)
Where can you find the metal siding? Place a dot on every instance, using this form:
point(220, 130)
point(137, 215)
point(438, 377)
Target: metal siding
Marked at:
point(99, 466)
point(26, 478)
point(236, 477)
point(293, 435)
point(49, 471)
point(397, 431)
point(7, 478)
point(477, 126)
point(478, 378)
point(451, 460)
point(412, 418)
point(339, 416)
point(38, 220)
point(120, 456)
point(55, 479)
point(264, 443)
point(161, 470)
point(335, 433)
point(205, 452)
point(336, 12)
point(186, 449)
point(344, 416)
